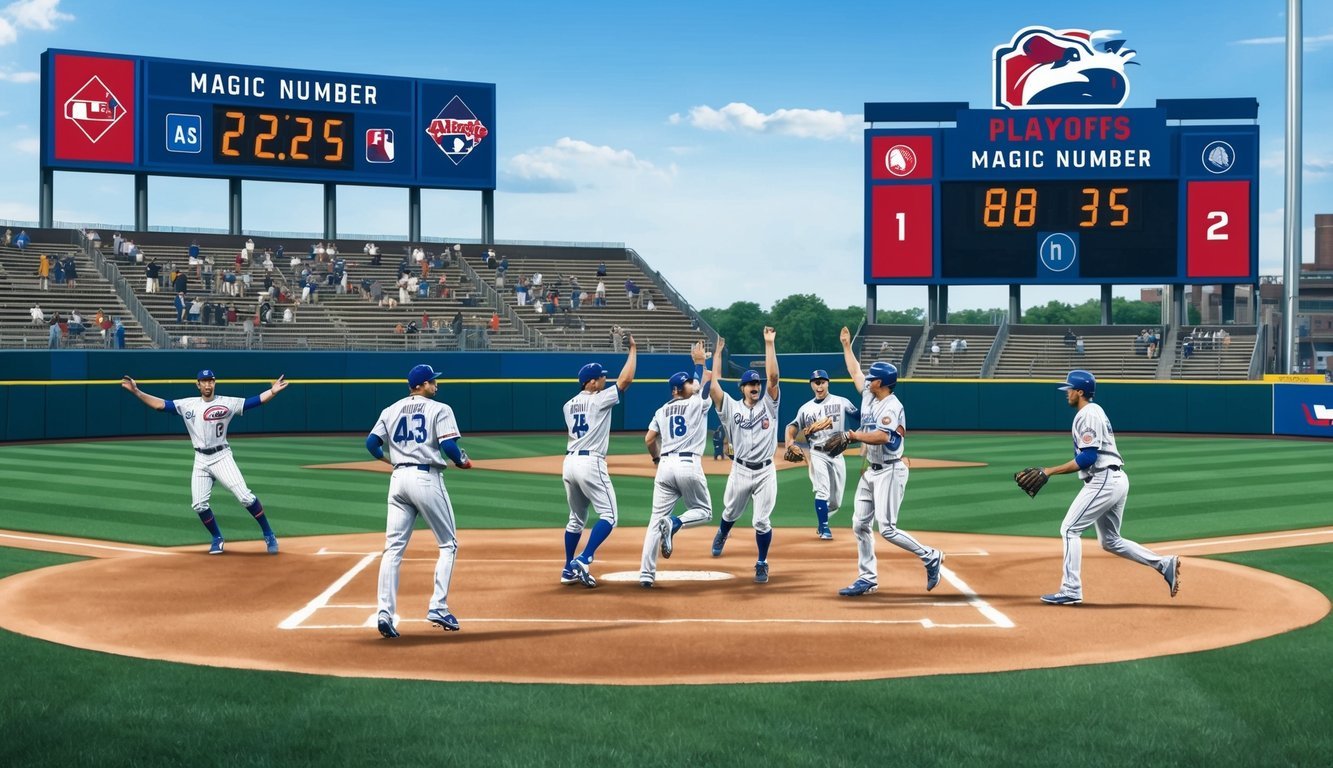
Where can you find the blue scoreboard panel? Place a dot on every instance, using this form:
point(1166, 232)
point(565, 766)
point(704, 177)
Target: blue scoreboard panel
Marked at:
point(132, 114)
point(1062, 197)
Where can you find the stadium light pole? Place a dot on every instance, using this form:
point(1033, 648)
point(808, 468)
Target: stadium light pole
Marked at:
point(1291, 246)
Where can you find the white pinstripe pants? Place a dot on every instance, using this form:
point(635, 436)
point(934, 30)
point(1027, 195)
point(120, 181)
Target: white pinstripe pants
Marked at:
point(217, 467)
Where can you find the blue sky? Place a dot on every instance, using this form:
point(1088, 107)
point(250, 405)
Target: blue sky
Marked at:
point(614, 122)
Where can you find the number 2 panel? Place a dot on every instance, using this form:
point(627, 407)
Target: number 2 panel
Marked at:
point(1218, 229)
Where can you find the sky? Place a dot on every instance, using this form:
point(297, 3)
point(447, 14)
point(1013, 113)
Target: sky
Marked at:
point(722, 141)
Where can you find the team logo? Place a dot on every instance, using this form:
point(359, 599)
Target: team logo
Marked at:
point(885, 421)
point(1042, 68)
point(216, 413)
point(1218, 157)
point(900, 160)
point(94, 109)
point(456, 130)
point(379, 145)
point(1321, 417)
point(763, 424)
point(1086, 437)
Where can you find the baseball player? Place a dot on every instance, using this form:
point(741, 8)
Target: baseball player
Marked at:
point(1101, 501)
point(206, 419)
point(588, 424)
point(419, 433)
point(816, 421)
point(753, 426)
point(879, 493)
point(676, 439)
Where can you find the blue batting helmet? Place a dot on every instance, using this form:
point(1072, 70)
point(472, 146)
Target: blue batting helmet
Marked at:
point(206, 373)
point(750, 376)
point(818, 374)
point(678, 380)
point(885, 372)
point(1081, 380)
point(589, 372)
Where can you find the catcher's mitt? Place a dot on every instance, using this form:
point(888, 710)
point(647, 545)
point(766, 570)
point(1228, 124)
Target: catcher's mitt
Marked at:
point(822, 424)
point(794, 454)
point(835, 445)
point(1031, 480)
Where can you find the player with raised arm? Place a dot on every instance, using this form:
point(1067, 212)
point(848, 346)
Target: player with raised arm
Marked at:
point(752, 423)
point(206, 419)
point(587, 481)
point(419, 433)
point(676, 439)
point(879, 494)
point(818, 420)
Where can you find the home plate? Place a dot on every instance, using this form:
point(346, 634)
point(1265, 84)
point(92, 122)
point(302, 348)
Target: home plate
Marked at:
point(669, 576)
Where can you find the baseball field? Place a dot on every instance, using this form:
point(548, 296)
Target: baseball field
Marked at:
point(99, 550)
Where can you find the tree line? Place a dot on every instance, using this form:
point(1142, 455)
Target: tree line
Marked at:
point(806, 324)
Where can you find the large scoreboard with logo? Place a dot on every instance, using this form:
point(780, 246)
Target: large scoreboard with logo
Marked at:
point(134, 114)
point(1059, 185)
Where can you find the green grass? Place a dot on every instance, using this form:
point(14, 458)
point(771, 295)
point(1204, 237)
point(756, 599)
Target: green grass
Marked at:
point(138, 491)
point(1262, 703)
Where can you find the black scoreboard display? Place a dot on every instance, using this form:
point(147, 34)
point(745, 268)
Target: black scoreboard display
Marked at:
point(1062, 197)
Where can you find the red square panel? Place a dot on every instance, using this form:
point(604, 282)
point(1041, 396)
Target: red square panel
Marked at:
point(902, 230)
point(94, 108)
point(1217, 221)
point(902, 157)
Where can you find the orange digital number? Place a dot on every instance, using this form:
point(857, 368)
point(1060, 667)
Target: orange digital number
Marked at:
point(1094, 197)
point(301, 139)
point(336, 155)
point(271, 134)
point(1119, 207)
point(1025, 207)
point(227, 136)
point(997, 202)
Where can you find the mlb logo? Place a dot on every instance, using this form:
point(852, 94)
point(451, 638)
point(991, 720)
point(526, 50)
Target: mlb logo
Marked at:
point(184, 133)
point(379, 145)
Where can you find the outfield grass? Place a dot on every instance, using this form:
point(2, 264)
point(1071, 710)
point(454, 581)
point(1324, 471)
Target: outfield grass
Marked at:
point(1262, 703)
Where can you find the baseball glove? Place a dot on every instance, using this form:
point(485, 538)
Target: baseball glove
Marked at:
point(1031, 480)
point(822, 424)
point(794, 454)
point(835, 445)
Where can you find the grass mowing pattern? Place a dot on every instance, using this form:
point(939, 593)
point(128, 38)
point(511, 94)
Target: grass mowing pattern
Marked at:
point(1255, 704)
point(139, 491)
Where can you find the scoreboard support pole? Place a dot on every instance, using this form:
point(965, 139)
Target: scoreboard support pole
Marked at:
point(46, 198)
point(1106, 305)
point(1228, 304)
point(1015, 303)
point(872, 304)
point(330, 211)
point(233, 206)
point(488, 216)
point(140, 202)
point(1179, 307)
point(414, 214)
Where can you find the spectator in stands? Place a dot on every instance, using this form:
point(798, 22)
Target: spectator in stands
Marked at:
point(94, 239)
point(600, 301)
point(343, 281)
point(38, 316)
point(98, 318)
point(76, 326)
point(192, 253)
point(120, 334)
point(331, 251)
point(152, 270)
point(651, 306)
point(245, 279)
point(601, 269)
point(962, 345)
point(935, 352)
point(1152, 344)
point(71, 272)
point(1188, 349)
point(1078, 346)
point(268, 260)
point(1070, 337)
point(495, 322)
point(295, 264)
point(632, 293)
point(1141, 343)
point(265, 312)
point(108, 333)
point(196, 309)
point(180, 283)
point(206, 274)
point(442, 286)
point(504, 265)
point(319, 252)
point(249, 249)
point(1226, 338)
point(9, 237)
point(288, 316)
point(180, 306)
point(536, 279)
point(412, 327)
point(231, 313)
point(21, 240)
point(488, 258)
point(58, 270)
point(418, 255)
point(521, 292)
point(617, 338)
point(43, 272)
point(402, 288)
point(399, 329)
point(116, 241)
point(53, 339)
point(456, 325)
point(312, 295)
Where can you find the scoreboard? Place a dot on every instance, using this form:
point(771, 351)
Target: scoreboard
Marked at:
point(133, 114)
point(1062, 197)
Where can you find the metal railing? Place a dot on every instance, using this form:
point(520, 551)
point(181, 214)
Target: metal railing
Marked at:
point(669, 291)
point(111, 273)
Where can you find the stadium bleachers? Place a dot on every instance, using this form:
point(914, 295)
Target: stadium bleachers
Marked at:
point(963, 351)
point(20, 291)
point(1213, 355)
point(1045, 352)
point(889, 343)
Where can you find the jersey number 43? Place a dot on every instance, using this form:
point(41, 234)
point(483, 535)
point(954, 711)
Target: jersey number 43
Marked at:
point(580, 425)
point(413, 434)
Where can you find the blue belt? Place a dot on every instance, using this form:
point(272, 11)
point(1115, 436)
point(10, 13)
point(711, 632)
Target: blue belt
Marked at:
point(885, 465)
point(1112, 468)
point(214, 449)
point(752, 465)
point(686, 454)
point(583, 453)
point(422, 467)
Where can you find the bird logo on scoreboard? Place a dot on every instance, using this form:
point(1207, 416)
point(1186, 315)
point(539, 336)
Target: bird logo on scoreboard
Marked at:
point(1218, 157)
point(456, 130)
point(900, 160)
point(1041, 68)
point(94, 109)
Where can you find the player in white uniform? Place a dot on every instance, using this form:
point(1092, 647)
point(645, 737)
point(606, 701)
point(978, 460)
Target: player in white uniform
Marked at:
point(588, 425)
point(816, 422)
point(752, 424)
point(1101, 501)
point(206, 419)
point(419, 433)
point(879, 494)
point(676, 439)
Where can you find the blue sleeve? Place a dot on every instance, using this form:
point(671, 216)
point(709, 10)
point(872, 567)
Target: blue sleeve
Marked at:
point(895, 440)
point(252, 402)
point(450, 448)
point(169, 405)
point(1086, 458)
point(375, 445)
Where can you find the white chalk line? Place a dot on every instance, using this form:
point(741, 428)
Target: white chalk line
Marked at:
point(925, 623)
point(69, 543)
point(1246, 539)
point(294, 621)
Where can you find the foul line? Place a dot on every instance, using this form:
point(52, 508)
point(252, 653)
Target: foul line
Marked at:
point(1229, 540)
point(926, 623)
point(75, 543)
point(294, 621)
point(997, 618)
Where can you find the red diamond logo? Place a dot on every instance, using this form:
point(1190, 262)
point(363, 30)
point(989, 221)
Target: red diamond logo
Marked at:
point(94, 109)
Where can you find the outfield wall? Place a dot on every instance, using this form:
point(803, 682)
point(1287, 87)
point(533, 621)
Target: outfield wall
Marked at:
point(76, 393)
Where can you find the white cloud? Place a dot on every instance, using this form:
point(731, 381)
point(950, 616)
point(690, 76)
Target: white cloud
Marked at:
point(1312, 42)
point(19, 77)
point(36, 14)
point(1315, 164)
point(801, 123)
point(30, 146)
point(570, 163)
point(7, 32)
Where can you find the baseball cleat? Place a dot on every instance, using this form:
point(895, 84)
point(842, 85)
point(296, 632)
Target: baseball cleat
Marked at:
point(825, 533)
point(446, 621)
point(761, 573)
point(646, 583)
point(718, 541)
point(664, 528)
point(858, 588)
point(1172, 575)
point(216, 547)
point(271, 543)
point(1060, 598)
point(385, 623)
point(581, 571)
point(933, 570)
point(568, 576)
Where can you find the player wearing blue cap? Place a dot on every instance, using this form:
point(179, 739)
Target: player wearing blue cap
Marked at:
point(752, 424)
point(879, 493)
point(419, 433)
point(587, 482)
point(675, 439)
point(1101, 500)
point(206, 419)
point(817, 421)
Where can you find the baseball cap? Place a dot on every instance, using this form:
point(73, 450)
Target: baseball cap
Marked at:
point(591, 371)
point(206, 373)
point(750, 376)
point(819, 373)
point(421, 374)
point(678, 380)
